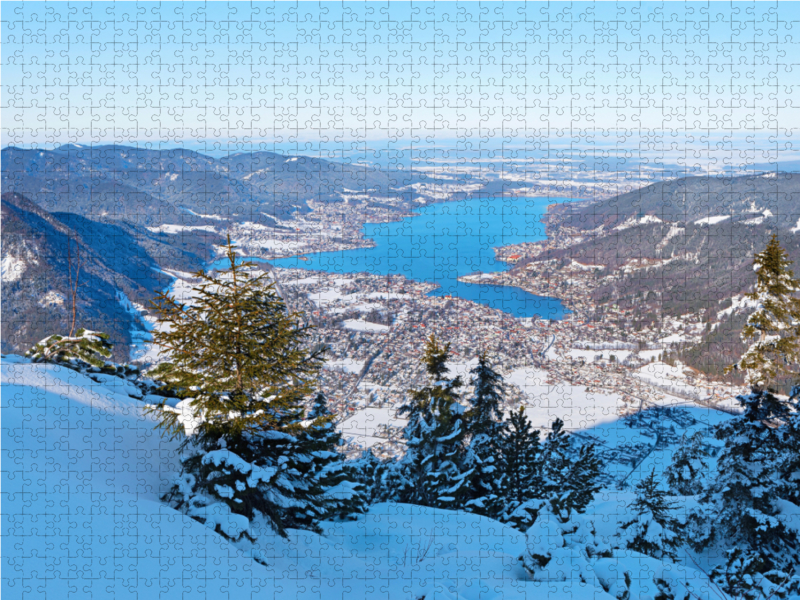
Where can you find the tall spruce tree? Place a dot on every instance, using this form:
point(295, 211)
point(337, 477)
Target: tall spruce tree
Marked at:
point(367, 470)
point(789, 453)
point(520, 469)
point(556, 457)
point(242, 365)
point(741, 504)
point(432, 468)
point(742, 500)
point(773, 328)
point(483, 428)
point(336, 479)
point(652, 530)
point(484, 414)
point(570, 476)
point(580, 484)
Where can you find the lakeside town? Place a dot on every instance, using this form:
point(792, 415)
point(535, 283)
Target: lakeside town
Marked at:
point(586, 368)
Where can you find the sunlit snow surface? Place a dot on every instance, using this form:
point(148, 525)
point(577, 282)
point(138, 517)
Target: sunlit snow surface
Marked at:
point(81, 518)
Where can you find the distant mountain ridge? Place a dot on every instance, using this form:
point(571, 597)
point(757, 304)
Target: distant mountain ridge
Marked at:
point(691, 199)
point(153, 187)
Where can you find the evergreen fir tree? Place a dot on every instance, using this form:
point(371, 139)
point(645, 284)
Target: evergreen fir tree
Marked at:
point(570, 478)
point(740, 576)
point(520, 473)
point(741, 504)
point(334, 478)
point(483, 427)
point(367, 469)
point(743, 497)
point(484, 413)
point(556, 457)
point(789, 453)
point(651, 531)
point(685, 472)
point(241, 363)
point(391, 481)
point(432, 473)
point(774, 327)
point(580, 484)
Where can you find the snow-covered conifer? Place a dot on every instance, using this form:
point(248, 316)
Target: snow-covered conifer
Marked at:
point(556, 457)
point(570, 477)
point(742, 503)
point(520, 469)
point(685, 474)
point(580, 484)
point(366, 470)
point(484, 413)
point(740, 576)
point(651, 531)
point(789, 457)
point(743, 497)
point(483, 426)
point(391, 481)
point(432, 468)
point(557, 550)
point(241, 364)
point(338, 493)
point(774, 327)
point(84, 351)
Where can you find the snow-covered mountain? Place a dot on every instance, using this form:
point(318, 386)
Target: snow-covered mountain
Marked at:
point(121, 264)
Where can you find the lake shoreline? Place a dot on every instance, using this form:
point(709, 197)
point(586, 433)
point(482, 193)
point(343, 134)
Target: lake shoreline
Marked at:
point(442, 242)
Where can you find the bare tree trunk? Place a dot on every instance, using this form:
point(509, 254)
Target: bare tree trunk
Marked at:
point(73, 283)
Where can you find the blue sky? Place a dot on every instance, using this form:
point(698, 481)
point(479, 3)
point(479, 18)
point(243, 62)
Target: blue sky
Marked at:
point(249, 75)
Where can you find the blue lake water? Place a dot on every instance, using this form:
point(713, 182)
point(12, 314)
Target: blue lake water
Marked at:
point(446, 241)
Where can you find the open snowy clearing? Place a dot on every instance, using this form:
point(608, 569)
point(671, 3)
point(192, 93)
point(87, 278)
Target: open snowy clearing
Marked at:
point(173, 229)
point(669, 378)
point(11, 268)
point(712, 220)
point(578, 408)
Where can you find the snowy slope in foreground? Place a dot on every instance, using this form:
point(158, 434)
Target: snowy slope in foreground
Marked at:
point(82, 472)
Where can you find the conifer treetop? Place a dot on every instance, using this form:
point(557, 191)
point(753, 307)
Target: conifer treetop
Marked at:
point(485, 413)
point(435, 358)
point(85, 348)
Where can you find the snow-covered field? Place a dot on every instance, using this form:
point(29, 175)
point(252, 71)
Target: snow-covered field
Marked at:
point(367, 326)
point(578, 408)
point(173, 229)
point(362, 426)
point(712, 220)
point(670, 378)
